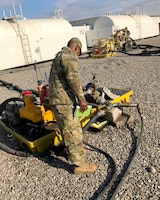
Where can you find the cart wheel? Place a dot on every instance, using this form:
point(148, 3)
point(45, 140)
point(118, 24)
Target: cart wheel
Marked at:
point(128, 46)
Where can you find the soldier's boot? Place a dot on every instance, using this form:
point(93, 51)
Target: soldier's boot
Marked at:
point(85, 168)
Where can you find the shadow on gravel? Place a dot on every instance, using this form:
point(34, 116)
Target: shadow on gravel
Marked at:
point(46, 157)
point(57, 163)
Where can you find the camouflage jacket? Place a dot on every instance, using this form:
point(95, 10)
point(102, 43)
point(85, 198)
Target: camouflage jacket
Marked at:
point(64, 83)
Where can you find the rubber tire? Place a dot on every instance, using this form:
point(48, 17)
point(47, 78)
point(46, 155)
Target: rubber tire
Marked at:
point(128, 46)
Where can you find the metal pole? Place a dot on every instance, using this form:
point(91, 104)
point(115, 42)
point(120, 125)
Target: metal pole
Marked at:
point(14, 10)
point(21, 10)
point(10, 13)
point(4, 15)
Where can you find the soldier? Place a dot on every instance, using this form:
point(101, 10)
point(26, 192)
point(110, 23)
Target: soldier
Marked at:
point(65, 92)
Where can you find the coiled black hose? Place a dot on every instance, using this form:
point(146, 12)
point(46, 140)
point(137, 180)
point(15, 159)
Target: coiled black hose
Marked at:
point(147, 51)
point(117, 184)
point(134, 153)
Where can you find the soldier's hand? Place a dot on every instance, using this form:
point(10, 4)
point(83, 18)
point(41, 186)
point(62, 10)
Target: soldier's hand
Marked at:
point(83, 106)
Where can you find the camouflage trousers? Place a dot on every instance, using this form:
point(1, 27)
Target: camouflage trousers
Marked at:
point(71, 131)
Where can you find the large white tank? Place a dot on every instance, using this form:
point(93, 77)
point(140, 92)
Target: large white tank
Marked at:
point(146, 26)
point(24, 41)
point(138, 25)
point(113, 20)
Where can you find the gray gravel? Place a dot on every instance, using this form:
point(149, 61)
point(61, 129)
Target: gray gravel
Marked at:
point(44, 179)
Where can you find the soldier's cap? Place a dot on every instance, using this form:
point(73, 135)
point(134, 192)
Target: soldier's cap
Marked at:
point(76, 40)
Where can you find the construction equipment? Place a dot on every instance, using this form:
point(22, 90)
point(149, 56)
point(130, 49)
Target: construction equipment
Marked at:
point(30, 120)
point(123, 41)
point(107, 47)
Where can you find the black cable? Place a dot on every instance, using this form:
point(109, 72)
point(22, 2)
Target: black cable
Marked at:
point(10, 86)
point(99, 114)
point(110, 172)
point(112, 166)
point(14, 151)
point(116, 186)
point(145, 51)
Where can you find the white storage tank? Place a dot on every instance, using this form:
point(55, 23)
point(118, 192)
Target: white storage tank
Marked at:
point(106, 26)
point(113, 20)
point(24, 41)
point(157, 20)
point(147, 27)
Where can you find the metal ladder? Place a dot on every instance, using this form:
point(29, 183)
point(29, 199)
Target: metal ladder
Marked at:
point(20, 31)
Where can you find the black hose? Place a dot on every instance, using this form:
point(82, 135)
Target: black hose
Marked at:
point(143, 46)
point(3, 105)
point(112, 165)
point(124, 173)
point(23, 153)
point(145, 51)
point(110, 172)
point(10, 86)
point(100, 113)
point(14, 151)
point(114, 187)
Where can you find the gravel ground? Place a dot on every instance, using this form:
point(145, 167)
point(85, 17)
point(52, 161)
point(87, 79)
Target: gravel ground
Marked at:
point(44, 179)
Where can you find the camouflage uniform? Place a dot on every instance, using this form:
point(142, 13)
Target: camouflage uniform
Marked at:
point(66, 92)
